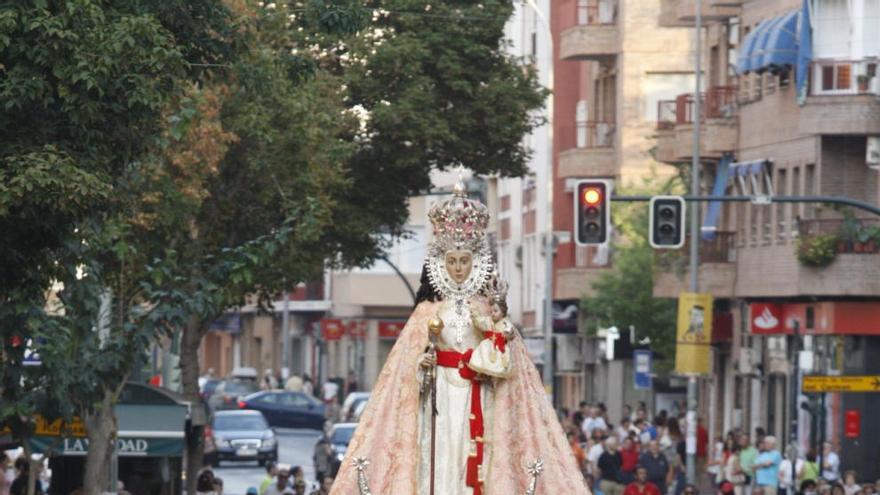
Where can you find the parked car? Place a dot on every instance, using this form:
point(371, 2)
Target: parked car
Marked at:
point(350, 405)
point(287, 409)
point(240, 436)
point(229, 391)
point(359, 411)
point(339, 437)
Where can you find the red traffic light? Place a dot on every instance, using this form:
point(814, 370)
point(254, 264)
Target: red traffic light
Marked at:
point(592, 196)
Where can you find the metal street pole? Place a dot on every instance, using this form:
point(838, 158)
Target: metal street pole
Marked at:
point(795, 385)
point(695, 236)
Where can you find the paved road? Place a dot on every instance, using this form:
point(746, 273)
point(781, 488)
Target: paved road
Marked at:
point(295, 447)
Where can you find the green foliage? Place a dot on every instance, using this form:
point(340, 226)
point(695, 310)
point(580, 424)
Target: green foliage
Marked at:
point(818, 250)
point(623, 295)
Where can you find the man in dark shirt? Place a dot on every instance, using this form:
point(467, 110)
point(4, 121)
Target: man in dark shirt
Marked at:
point(656, 465)
point(609, 465)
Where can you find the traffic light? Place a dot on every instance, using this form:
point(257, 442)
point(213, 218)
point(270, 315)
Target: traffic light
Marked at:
point(667, 222)
point(591, 212)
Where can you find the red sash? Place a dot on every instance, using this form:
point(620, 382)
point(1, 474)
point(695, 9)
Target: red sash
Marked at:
point(497, 338)
point(455, 359)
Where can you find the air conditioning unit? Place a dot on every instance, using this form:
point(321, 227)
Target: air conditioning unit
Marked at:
point(872, 155)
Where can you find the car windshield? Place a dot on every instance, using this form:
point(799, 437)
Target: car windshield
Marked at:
point(239, 423)
point(211, 386)
point(239, 388)
point(341, 435)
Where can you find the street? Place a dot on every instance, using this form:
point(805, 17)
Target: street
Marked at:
point(295, 447)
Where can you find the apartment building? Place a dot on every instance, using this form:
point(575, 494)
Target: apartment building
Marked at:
point(792, 108)
point(614, 60)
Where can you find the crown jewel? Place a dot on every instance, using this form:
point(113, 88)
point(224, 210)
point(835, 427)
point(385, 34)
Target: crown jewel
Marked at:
point(497, 288)
point(459, 222)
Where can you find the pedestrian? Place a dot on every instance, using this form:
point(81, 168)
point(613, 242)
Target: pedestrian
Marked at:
point(218, 486)
point(640, 485)
point(577, 450)
point(581, 413)
point(593, 421)
point(808, 487)
point(351, 383)
point(675, 453)
point(20, 483)
point(597, 447)
point(767, 466)
point(811, 467)
point(733, 473)
point(627, 412)
point(849, 483)
point(308, 387)
point(280, 487)
point(830, 463)
point(4, 480)
point(656, 465)
point(329, 392)
point(271, 472)
point(624, 428)
point(299, 487)
point(715, 465)
point(326, 484)
point(747, 455)
point(609, 465)
point(205, 483)
point(252, 490)
point(629, 452)
point(323, 459)
point(689, 490)
point(785, 484)
point(294, 384)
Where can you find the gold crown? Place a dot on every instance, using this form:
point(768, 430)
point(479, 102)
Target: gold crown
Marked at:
point(497, 288)
point(459, 222)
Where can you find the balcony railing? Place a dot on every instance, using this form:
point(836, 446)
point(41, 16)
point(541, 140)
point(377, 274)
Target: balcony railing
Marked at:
point(591, 134)
point(845, 77)
point(853, 236)
point(593, 12)
point(717, 102)
point(720, 249)
point(666, 117)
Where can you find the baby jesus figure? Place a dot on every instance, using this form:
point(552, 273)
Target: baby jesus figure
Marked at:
point(491, 356)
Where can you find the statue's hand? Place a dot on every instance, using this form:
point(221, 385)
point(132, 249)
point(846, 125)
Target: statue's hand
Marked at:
point(428, 360)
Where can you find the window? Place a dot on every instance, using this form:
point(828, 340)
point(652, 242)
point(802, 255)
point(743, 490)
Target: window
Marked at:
point(831, 36)
point(836, 77)
point(294, 400)
point(809, 187)
point(268, 399)
point(781, 223)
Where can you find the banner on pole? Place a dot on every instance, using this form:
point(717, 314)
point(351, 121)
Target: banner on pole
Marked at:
point(694, 334)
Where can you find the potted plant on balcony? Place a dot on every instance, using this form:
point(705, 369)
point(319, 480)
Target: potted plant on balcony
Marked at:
point(817, 251)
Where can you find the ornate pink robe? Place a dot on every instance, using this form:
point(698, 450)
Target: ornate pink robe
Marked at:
point(523, 428)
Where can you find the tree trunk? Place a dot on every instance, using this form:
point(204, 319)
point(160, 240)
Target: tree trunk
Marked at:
point(101, 428)
point(189, 378)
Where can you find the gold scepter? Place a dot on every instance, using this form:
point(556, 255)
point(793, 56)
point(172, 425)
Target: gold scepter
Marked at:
point(435, 326)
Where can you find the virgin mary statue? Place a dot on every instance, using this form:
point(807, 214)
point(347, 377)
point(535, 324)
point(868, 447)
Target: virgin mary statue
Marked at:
point(458, 408)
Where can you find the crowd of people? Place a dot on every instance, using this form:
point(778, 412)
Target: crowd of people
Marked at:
point(279, 480)
point(642, 455)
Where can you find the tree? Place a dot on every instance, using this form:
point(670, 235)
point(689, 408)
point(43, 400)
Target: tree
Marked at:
point(84, 85)
point(623, 295)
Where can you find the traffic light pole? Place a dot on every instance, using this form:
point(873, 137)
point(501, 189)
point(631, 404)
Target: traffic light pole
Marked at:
point(695, 236)
point(766, 200)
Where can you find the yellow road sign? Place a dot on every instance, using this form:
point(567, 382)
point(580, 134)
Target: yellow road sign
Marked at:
point(869, 383)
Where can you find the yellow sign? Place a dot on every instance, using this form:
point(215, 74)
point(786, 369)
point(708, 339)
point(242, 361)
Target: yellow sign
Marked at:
point(58, 428)
point(841, 383)
point(694, 334)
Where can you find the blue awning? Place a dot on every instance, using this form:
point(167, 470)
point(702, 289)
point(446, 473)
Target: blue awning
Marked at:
point(805, 52)
point(743, 64)
point(782, 42)
point(773, 43)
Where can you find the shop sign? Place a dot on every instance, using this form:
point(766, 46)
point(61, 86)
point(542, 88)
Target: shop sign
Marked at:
point(766, 318)
point(332, 329)
point(694, 334)
point(356, 329)
point(125, 447)
point(390, 329)
point(852, 423)
point(642, 371)
point(56, 428)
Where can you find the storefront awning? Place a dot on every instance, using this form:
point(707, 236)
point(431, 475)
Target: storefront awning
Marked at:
point(144, 431)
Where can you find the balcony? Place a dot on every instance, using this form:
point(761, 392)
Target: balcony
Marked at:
point(713, 10)
point(595, 37)
point(595, 154)
point(719, 130)
point(844, 98)
point(717, 269)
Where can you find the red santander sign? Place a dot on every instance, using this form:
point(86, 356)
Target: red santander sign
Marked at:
point(852, 427)
point(390, 329)
point(766, 318)
point(332, 329)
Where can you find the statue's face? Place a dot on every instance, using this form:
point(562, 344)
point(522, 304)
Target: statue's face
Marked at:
point(459, 264)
